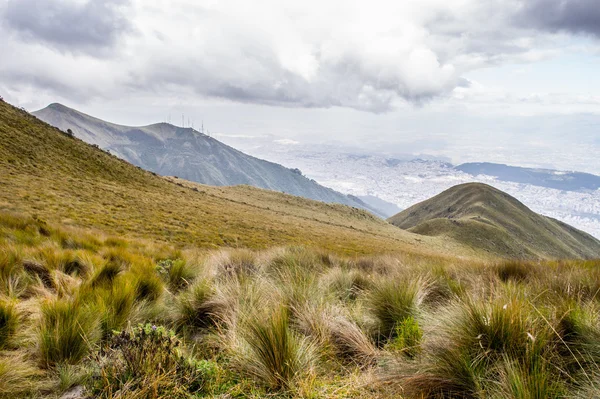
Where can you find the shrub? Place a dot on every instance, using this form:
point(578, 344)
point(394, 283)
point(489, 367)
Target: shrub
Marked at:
point(9, 321)
point(407, 337)
point(66, 331)
point(147, 361)
point(275, 355)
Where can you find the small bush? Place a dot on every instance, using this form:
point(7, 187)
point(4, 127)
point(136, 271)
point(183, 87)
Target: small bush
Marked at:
point(67, 330)
point(9, 321)
point(148, 362)
point(407, 337)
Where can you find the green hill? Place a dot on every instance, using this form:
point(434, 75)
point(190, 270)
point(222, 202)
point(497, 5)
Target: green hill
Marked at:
point(485, 218)
point(47, 173)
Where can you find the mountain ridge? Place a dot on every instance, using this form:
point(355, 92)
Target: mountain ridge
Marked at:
point(170, 150)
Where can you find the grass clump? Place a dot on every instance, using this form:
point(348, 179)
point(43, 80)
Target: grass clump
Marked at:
point(392, 302)
point(9, 321)
point(66, 332)
point(196, 307)
point(275, 356)
point(16, 376)
point(115, 305)
point(177, 273)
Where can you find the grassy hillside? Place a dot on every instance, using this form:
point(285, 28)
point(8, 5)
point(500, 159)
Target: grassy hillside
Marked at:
point(483, 217)
point(171, 150)
point(108, 317)
point(46, 173)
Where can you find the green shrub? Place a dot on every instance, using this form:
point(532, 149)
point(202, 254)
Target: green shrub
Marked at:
point(67, 330)
point(407, 337)
point(147, 361)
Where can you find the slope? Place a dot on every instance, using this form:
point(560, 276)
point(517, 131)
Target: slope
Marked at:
point(483, 217)
point(50, 175)
point(184, 152)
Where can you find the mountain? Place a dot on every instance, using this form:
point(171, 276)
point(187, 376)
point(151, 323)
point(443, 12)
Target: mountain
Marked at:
point(184, 152)
point(568, 181)
point(385, 207)
point(52, 176)
point(486, 218)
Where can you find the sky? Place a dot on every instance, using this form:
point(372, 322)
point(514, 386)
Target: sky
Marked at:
point(468, 80)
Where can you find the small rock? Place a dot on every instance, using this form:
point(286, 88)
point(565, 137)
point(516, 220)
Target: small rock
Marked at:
point(77, 392)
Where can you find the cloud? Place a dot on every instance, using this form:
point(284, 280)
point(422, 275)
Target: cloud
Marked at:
point(575, 16)
point(371, 55)
point(73, 26)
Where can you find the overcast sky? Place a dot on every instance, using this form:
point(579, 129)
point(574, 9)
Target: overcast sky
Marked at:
point(467, 79)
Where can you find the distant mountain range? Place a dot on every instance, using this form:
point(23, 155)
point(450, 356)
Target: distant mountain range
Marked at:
point(483, 217)
point(568, 181)
point(186, 153)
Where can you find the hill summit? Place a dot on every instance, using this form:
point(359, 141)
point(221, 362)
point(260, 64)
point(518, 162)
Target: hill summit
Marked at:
point(486, 218)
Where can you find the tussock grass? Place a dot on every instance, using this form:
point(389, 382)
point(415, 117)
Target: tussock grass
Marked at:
point(275, 356)
point(17, 376)
point(288, 322)
point(197, 307)
point(9, 322)
point(392, 301)
point(67, 331)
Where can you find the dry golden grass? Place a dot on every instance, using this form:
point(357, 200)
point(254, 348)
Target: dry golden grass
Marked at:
point(286, 322)
point(46, 173)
